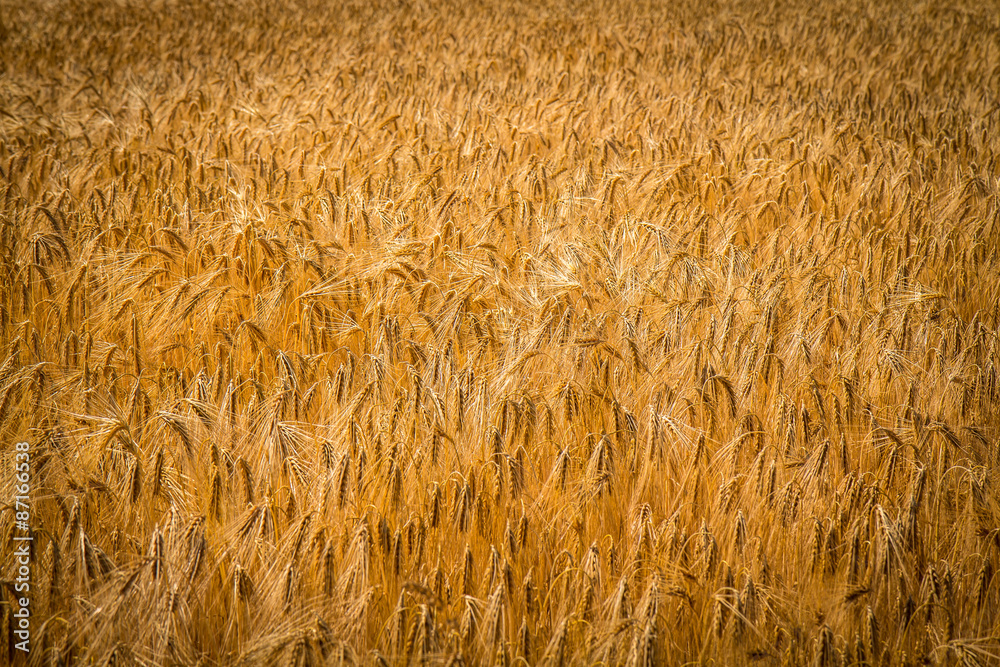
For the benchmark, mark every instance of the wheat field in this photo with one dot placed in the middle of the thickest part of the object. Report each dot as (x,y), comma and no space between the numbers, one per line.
(502,333)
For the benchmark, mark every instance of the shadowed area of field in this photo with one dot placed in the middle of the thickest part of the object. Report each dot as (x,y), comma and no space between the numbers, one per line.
(427,333)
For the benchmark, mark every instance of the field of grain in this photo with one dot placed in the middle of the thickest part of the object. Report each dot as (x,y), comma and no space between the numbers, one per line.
(502,333)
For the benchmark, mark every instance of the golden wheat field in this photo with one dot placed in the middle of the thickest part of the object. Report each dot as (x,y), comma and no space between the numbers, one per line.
(502,333)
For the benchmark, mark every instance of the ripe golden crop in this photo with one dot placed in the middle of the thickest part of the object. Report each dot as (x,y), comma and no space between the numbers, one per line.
(516,333)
